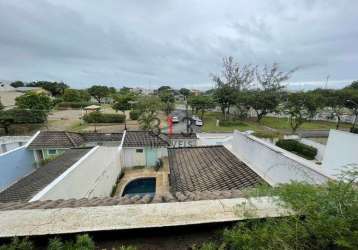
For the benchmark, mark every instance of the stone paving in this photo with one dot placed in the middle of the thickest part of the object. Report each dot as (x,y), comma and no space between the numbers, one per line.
(162,179)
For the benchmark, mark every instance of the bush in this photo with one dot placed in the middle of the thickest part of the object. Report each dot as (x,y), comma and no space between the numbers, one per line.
(73,105)
(354,130)
(325,218)
(18,244)
(97,117)
(134,114)
(229,123)
(297,147)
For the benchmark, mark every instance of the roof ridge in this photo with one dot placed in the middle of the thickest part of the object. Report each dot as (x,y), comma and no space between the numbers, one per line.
(70,138)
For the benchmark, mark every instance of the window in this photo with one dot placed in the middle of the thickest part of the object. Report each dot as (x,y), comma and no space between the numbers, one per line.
(52,151)
(139,150)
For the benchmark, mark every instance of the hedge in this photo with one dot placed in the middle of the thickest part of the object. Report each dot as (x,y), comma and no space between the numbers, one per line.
(297,147)
(134,114)
(23,116)
(97,117)
(74,105)
(354,130)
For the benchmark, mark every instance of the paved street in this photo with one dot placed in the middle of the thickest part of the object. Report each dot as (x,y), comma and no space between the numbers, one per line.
(181,126)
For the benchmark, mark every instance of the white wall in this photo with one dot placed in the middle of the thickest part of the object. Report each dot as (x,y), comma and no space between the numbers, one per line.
(14,165)
(131,158)
(341,150)
(214,138)
(272,163)
(92,176)
(8,143)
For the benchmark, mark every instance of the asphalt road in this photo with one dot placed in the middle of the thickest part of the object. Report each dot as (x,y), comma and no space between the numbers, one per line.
(181,126)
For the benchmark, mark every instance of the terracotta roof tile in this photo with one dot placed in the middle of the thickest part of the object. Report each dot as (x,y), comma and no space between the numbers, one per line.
(27,187)
(208,168)
(143,139)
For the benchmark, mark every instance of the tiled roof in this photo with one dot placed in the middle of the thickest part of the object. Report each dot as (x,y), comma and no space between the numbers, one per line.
(110,201)
(27,187)
(94,137)
(208,168)
(63,139)
(181,136)
(143,139)
(56,139)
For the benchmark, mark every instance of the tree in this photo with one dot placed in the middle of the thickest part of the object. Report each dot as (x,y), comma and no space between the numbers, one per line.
(6,120)
(1,105)
(149,122)
(268,94)
(263,101)
(55,88)
(233,79)
(75,95)
(34,101)
(149,103)
(201,103)
(164,88)
(167,97)
(354,85)
(314,102)
(123,103)
(17,84)
(99,92)
(185,92)
(296,108)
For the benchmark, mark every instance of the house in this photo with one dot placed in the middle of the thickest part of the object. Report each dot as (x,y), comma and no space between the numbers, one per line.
(143,148)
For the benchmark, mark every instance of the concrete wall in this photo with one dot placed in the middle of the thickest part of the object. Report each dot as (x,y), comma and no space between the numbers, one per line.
(8,143)
(94,175)
(214,138)
(133,158)
(341,150)
(274,164)
(14,165)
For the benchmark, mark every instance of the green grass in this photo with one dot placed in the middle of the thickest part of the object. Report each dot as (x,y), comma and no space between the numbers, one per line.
(282,125)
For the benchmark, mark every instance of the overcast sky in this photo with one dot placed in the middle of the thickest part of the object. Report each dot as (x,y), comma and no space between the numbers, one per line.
(180,43)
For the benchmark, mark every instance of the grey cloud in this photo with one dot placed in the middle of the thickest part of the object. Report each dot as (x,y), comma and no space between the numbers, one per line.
(176,42)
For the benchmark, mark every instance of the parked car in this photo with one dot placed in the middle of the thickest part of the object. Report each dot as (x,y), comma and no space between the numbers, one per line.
(175,119)
(198,122)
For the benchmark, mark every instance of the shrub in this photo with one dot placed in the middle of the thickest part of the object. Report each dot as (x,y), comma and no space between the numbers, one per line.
(98,117)
(73,105)
(297,147)
(229,123)
(325,218)
(354,130)
(18,244)
(134,114)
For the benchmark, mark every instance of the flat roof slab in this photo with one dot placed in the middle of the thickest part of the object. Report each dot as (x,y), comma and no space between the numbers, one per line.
(87,219)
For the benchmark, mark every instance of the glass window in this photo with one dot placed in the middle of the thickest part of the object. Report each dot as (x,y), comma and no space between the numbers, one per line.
(139,150)
(52,151)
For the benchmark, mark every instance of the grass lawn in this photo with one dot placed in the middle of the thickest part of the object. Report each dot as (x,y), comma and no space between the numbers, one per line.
(280,124)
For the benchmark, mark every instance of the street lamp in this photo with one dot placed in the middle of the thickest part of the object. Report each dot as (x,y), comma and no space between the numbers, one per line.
(355,112)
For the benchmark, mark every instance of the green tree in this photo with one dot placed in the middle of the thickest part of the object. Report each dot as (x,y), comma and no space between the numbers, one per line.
(17,84)
(263,101)
(314,102)
(99,92)
(34,101)
(185,92)
(201,103)
(6,120)
(233,79)
(75,95)
(1,105)
(296,108)
(164,88)
(149,103)
(55,88)
(268,95)
(167,97)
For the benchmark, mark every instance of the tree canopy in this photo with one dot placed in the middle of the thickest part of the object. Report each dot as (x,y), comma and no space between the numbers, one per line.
(99,92)
(201,103)
(55,88)
(76,95)
(17,84)
(34,101)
